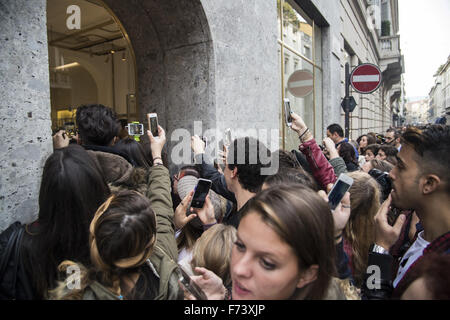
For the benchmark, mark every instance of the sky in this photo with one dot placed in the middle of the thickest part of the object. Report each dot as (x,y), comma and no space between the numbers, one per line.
(424,28)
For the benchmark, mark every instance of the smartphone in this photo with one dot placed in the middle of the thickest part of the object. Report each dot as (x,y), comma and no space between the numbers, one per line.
(343,183)
(227,138)
(287,112)
(200,193)
(191,286)
(135,129)
(153,123)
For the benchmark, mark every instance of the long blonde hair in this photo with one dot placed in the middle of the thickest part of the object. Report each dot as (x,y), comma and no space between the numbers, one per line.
(213,251)
(365,198)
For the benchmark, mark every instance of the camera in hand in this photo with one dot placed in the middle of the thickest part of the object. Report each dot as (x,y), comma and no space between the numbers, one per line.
(135,129)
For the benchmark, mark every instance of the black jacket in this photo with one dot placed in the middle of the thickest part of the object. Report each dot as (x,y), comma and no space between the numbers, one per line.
(15,283)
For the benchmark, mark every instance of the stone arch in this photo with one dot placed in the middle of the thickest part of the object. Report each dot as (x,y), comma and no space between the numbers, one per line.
(173,49)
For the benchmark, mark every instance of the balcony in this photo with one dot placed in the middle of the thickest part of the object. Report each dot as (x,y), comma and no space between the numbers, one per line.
(390,47)
(391,60)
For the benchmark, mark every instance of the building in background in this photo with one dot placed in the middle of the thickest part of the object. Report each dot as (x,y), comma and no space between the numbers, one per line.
(439,95)
(417,111)
(224,63)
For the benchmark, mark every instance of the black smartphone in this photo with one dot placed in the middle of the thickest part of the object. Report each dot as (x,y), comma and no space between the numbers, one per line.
(200,193)
(153,123)
(191,286)
(287,112)
(343,183)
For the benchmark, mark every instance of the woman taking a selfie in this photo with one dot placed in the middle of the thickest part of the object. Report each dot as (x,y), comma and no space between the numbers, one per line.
(285,249)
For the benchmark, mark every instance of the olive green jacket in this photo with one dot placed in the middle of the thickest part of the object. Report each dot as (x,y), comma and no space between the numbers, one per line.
(165,255)
(155,184)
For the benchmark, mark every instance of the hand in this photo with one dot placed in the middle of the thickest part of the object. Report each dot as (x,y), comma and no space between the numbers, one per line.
(180,219)
(60,140)
(385,234)
(223,154)
(206,214)
(157,143)
(197,145)
(331,147)
(298,125)
(210,283)
(341,214)
(329,144)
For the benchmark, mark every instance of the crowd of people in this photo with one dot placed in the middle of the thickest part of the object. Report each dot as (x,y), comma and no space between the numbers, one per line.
(111,214)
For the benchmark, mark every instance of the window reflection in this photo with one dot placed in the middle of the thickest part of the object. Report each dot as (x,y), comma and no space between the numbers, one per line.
(301,46)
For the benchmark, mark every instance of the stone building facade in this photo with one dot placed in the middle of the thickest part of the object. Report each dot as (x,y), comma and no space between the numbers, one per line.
(199,64)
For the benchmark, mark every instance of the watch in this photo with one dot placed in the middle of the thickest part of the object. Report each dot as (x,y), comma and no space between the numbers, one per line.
(378,249)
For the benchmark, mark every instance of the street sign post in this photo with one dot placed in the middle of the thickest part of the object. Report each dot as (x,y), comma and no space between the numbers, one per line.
(365,78)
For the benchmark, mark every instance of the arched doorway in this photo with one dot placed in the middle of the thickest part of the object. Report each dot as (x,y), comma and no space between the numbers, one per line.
(92,62)
(175,61)
(170,44)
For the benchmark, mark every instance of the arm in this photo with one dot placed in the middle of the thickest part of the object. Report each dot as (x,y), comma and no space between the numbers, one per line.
(207,170)
(160,197)
(378,283)
(322,170)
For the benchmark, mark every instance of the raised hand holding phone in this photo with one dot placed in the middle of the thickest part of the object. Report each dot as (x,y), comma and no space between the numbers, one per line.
(201,191)
(157,142)
(153,123)
(180,219)
(206,213)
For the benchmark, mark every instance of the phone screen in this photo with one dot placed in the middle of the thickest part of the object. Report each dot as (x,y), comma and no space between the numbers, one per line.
(191,286)
(201,191)
(227,141)
(154,125)
(135,129)
(337,193)
(287,112)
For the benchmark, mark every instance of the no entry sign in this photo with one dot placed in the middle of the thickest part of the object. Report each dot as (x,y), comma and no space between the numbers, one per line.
(365,78)
(300,83)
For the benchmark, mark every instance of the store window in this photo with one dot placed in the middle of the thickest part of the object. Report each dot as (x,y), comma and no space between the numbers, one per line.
(300,54)
(90,60)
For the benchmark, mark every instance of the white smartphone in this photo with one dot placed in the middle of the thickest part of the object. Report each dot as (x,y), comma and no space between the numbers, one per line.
(227,138)
(342,185)
(153,123)
(287,112)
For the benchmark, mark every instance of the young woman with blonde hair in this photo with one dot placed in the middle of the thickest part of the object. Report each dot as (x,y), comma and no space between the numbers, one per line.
(359,232)
(285,249)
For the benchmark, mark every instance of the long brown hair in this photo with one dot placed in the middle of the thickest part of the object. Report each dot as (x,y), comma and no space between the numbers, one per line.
(360,230)
(122,237)
(303,220)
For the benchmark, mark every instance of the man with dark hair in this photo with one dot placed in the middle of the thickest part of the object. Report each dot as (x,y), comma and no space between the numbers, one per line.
(421,181)
(335,133)
(243,175)
(97,125)
(392,137)
(98,130)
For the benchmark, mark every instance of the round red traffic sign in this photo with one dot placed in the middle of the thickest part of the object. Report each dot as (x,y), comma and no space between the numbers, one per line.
(300,83)
(365,78)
